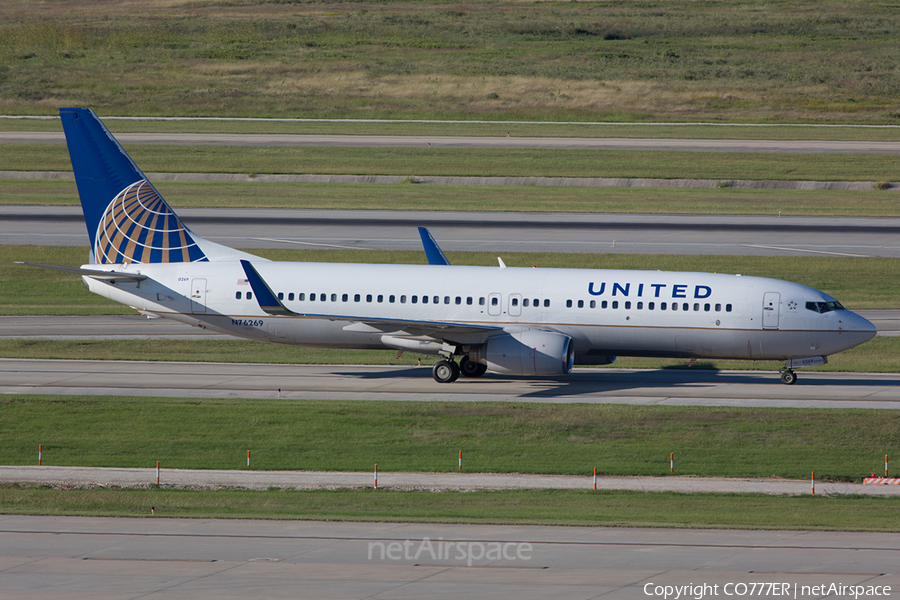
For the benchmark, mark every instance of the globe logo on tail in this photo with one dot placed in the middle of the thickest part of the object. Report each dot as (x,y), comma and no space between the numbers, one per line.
(139,227)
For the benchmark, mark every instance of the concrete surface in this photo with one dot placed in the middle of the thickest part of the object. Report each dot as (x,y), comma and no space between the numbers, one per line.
(158,558)
(667,387)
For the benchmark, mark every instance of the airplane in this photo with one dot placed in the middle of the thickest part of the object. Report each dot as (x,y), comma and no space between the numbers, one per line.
(503,320)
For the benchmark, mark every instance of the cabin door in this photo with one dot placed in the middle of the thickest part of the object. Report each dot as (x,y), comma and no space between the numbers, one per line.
(198,296)
(771,304)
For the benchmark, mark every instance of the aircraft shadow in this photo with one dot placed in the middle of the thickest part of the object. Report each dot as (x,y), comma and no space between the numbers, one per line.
(600,381)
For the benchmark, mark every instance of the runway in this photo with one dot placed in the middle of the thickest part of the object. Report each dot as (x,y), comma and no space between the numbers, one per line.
(382,382)
(559,143)
(53,557)
(495,232)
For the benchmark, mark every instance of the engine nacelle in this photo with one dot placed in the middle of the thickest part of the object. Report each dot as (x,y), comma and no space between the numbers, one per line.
(528,352)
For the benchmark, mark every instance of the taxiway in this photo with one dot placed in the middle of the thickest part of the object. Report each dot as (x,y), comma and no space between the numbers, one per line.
(52,557)
(494,232)
(383,382)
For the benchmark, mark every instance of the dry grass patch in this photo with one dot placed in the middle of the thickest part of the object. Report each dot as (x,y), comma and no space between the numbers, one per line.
(484,93)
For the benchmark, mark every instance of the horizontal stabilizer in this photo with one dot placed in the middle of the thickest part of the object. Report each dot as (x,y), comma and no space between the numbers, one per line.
(96,274)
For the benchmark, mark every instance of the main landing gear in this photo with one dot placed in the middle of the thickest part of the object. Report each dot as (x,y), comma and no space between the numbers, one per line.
(470,368)
(447,371)
(788,377)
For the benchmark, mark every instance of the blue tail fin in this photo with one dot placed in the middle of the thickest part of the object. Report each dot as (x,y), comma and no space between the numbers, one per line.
(127,220)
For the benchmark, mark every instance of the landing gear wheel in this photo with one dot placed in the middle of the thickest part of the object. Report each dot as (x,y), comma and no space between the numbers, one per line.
(445,371)
(788,377)
(470,368)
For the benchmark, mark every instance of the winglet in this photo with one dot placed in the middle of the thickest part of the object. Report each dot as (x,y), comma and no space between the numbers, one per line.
(267,299)
(432,250)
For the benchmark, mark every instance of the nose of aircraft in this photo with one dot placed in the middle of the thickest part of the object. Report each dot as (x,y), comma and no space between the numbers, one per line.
(859,328)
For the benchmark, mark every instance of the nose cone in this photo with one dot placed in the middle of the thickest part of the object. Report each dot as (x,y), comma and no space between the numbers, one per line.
(857,329)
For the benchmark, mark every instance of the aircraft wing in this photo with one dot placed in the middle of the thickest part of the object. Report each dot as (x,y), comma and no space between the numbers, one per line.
(269,302)
(95,273)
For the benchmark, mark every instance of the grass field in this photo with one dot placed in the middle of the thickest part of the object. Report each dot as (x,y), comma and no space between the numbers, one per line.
(528,507)
(529,198)
(475,162)
(495,437)
(574,129)
(745,61)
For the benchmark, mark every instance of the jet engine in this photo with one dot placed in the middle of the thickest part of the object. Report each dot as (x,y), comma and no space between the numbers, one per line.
(527,352)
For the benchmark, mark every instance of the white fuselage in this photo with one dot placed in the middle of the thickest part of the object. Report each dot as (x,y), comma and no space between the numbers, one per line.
(606,313)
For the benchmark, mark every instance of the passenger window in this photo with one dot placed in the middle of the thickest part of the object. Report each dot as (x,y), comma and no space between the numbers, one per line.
(547,303)
(281,295)
(514,301)
(436,300)
(334,297)
(718,308)
(446,299)
(685,306)
(237,295)
(301,297)
(403,299)
(568,304)
(604,304)
(322,297)
(249,295)
(696,306)
(727,308)
(706,307)
(581,304)
(424,299)
(628,304)
(650,305)
(640,305)
(674,305)
(415,299)
(345,297)
(391,298)
(368,297)
(356,297)
(469,300)
(291,296)
(481,301)
(459,299)
(496,301)
(615,304)
(593,304)
(380,298)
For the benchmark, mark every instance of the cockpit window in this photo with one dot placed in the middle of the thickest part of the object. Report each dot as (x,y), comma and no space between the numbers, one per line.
(823,307)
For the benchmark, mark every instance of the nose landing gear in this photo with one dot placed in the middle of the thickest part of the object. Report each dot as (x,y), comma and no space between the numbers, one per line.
(788,377)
